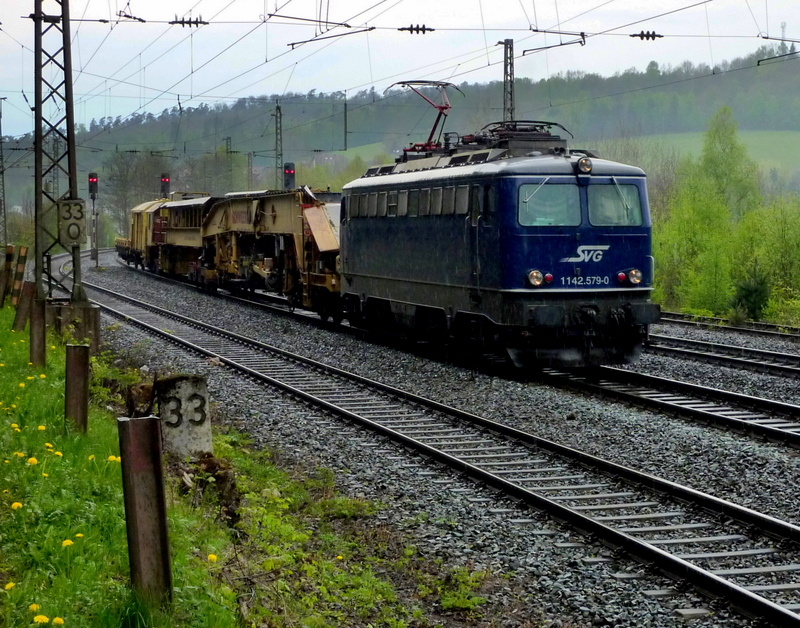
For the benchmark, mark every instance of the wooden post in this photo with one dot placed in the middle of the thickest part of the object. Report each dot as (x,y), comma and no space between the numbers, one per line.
(145,507)
(24,306)
(19,274)
(5,277)
(76,397)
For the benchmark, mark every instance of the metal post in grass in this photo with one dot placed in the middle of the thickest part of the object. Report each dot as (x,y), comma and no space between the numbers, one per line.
(19,274)
(5,276)
(76,396)
(145,507)
(24,306)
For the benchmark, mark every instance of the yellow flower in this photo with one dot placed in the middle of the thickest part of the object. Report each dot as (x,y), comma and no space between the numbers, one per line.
(16,429)
(52,346)
(41,619)
(66,543)
(16,506)
(10,585)
(19,454)
(2,364)
(14,425)
(119,458)
(59,454)
(58,620)
(43,376)
(79,536)
(34,607)
(30,376)
(32,461)
(212,558)
(41,428)
(112,458)
(50,445)
(91,457)
(340,557)
(22,385)
(46,475)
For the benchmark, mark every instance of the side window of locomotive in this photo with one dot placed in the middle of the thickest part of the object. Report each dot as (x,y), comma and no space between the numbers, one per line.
(391,204)
(549,205)
(475,205)
(343,209)
(425,202)
(402,203)
(381,203)
(614,205)
(436,202)
(372,204)
(362,205)
(462,199)
(413,202)
(449,201)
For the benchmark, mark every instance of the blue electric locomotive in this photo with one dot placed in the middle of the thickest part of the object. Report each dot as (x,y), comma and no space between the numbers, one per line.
(506,238)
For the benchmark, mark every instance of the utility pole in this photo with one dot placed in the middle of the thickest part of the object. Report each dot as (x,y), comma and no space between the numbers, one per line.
(229,154)
(278,148)
(60,219)
(4,222)
(508,79)
(250,171)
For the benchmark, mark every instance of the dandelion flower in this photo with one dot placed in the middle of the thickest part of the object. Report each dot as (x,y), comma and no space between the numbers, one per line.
(43,376)
(30,377)
(52,346)
(79,536)
(32,461)
(119,458)
(16,429)
(212,558)
(112,458)
(340,557)
(10,585)
(49,445)
(41,619)
(41,428)
(14,425)
(22,384)
(19,454)
(58,621)
(16,506)
(34,607)
(91,457)
(46,475)
(59,454)
(2,364)
(66,542)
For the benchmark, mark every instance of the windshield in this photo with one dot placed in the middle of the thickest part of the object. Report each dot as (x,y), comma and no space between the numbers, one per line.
(614,205)
(549,204)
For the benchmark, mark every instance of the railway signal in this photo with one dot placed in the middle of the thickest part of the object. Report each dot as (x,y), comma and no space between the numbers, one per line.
(165,185)
(93,185)
(288,176)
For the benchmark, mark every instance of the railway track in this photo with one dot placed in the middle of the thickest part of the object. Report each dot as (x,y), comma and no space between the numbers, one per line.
(724,550)
(774,363)
(783,332)
(772,420)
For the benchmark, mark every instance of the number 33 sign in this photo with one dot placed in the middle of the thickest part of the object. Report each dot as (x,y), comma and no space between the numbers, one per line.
(183,408)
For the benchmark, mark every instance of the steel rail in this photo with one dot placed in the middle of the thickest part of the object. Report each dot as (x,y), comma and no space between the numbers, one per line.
(772,362)
(672,565)
(786,332)
(710,405)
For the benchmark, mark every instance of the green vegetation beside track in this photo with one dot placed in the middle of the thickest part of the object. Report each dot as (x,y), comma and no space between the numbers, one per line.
(252,544)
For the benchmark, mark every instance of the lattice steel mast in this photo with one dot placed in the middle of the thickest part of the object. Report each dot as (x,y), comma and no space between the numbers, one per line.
(508,79)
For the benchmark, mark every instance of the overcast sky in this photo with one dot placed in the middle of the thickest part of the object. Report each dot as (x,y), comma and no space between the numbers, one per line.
(126,66)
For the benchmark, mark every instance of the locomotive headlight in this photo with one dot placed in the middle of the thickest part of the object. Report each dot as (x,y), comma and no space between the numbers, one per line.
(536,278)
(635,276)
(584,165)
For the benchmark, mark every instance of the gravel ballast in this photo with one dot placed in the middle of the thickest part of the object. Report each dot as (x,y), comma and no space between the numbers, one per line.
(544,581)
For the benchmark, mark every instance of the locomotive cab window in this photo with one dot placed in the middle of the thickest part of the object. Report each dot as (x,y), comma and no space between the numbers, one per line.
(549,205)
(614,205)
(391,204)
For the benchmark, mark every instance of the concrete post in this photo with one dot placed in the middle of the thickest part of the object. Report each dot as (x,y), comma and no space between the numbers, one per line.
(185,415)
(145,507)
(76,397)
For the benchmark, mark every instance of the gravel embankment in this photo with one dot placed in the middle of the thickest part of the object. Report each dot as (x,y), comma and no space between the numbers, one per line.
(447,523)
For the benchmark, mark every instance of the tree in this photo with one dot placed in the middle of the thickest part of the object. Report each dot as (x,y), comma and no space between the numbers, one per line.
(725,161)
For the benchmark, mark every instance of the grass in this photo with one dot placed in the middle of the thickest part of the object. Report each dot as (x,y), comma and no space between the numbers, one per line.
(251,544)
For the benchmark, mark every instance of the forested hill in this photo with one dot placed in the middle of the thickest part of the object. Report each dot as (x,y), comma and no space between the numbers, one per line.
(654,101)
(207,146)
